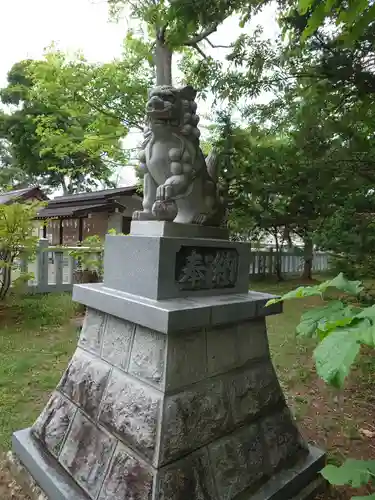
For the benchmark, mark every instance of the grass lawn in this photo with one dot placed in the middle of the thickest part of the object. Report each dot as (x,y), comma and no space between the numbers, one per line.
(37,338)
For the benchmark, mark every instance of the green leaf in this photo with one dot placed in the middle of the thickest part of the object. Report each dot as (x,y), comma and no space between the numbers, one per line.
(368,312)
(367,497)
(335,355)
(366,334)
(304,5)
(298,293)
(343,284)
(315,21)
(356,473)
(324,319)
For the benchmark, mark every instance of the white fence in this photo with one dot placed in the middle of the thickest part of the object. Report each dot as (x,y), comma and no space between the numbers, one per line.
(264,263)
(54,268)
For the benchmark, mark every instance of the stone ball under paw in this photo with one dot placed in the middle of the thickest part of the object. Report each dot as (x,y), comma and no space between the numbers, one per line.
(164,210)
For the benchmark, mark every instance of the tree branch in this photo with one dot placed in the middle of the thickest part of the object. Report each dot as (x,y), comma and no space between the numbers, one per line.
(218,46)
(202,36)
(198,49)
(105,112)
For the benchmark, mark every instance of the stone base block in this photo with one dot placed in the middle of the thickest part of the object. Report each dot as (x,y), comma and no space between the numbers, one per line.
(192,480)
(161,268)
(169,316)
(144,415)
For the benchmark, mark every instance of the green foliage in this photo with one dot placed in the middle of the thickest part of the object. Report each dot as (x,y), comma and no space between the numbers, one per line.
(90,255)
(68,116)
(356,473)
(341,327)
(17,240)
(352,17)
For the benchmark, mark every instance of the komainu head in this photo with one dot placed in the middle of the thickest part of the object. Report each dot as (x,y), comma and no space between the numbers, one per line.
(171,107)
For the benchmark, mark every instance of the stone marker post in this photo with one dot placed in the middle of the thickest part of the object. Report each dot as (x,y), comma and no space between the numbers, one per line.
(171,393)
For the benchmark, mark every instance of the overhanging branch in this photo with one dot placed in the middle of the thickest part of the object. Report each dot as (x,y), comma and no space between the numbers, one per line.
(202,36)
(198,49)
(218,46)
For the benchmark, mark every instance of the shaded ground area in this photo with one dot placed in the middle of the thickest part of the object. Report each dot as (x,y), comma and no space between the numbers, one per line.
(37,338)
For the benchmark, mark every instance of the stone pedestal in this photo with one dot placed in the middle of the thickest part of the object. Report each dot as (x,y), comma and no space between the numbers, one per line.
(171,393)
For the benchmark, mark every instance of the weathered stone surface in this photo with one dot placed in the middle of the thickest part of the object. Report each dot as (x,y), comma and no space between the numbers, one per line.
(117,339)
(148,355)
(86,454)
(92,330)
(130,410)
(252,389)
(84,381)
(237,461)
(188,479)
(222,350)
(193,418)
(127,478)
(186,359)
(51,426)
(283,441)
(252,340)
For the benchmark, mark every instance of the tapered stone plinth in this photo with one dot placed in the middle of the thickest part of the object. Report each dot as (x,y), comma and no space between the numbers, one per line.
(171,393)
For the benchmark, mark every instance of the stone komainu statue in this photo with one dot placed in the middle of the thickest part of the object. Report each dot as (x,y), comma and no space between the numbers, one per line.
(179,184)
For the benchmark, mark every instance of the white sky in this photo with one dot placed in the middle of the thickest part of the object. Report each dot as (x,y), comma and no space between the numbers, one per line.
(28,27)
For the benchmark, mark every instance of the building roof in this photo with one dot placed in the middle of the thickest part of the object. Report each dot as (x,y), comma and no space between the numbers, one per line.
(81,204)
(105,193)
(22,194)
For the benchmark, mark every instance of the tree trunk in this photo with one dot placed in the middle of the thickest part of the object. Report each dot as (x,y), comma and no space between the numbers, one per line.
(163,63)
(64,186)
(308,258)
(277,257)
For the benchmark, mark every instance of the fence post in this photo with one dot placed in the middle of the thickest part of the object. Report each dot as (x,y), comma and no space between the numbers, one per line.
(270,263)
(59,267)
(42,264)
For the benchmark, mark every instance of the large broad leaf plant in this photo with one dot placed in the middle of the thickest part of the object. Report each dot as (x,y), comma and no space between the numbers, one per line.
(341,326)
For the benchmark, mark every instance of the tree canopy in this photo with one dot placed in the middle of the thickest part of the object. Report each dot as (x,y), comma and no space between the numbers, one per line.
(66,118)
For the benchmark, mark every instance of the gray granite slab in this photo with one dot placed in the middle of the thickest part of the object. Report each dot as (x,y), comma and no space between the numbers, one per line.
(173,230)
(46,471)
(86,454)
(52,425)
(187,479)
(162,268)
(174,314)
(117,340)
(147,360)
(128,478)
(92,331)
(84,381)
(186,359)
(194,417)
(130,410)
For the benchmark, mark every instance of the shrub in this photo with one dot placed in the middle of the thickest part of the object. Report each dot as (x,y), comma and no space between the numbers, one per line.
(16,241)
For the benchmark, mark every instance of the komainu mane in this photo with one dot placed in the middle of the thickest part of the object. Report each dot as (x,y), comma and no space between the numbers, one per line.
(179,184)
